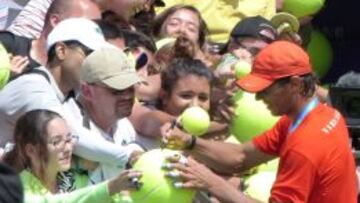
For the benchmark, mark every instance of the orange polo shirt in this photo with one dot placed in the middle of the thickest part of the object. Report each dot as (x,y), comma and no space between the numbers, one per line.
(316,163)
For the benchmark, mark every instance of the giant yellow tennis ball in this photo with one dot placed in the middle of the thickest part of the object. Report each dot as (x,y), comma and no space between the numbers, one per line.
(156,187)
(4,66)
(242,68)
(195,120)
(258,186)
(320,52)
(252,117)
(270,166)
(302,8)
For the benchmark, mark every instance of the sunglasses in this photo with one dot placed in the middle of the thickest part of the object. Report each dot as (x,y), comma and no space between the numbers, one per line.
(141,60)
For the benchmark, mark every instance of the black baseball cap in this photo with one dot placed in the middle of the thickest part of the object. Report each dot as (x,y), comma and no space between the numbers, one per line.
(159,3)
(251,27)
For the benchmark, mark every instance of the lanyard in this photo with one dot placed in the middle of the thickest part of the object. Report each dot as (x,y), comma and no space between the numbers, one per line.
(304,112)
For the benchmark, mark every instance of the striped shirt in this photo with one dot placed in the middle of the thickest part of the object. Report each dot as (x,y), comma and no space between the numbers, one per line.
(30,21)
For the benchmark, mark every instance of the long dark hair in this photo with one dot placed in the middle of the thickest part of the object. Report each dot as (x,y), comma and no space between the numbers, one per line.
(181,48)
(182,67)
(161,18)
(31,128)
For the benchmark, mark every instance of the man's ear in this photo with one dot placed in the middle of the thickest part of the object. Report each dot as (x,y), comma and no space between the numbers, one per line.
(86,91)
(297,83)
(60,50)
(54,20)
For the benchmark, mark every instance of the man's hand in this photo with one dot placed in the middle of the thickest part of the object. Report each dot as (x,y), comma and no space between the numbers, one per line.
(134,156)
(223,106)
(192,174)
(18,64)
(124,181)
(174,137)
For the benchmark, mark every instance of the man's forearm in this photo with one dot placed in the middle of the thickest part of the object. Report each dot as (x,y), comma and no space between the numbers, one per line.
(226,193)
(223,157)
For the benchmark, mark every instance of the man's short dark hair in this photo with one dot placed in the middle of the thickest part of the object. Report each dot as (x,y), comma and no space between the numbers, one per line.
(109,29)
(135,39)
(72,44)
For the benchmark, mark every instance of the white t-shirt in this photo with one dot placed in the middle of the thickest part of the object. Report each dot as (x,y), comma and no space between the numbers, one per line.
(98,140)
(124,135)
(28,92)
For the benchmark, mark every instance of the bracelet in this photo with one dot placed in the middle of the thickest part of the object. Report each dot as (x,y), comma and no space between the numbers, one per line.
(192,143)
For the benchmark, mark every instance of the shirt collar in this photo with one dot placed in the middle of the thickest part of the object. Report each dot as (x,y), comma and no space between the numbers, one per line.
(59,94)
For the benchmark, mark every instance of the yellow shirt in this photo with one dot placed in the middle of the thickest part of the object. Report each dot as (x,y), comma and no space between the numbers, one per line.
(222,15)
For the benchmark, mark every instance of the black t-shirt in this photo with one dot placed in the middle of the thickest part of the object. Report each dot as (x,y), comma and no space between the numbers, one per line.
(17,45)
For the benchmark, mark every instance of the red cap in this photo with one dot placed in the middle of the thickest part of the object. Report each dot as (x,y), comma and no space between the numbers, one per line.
(278,60)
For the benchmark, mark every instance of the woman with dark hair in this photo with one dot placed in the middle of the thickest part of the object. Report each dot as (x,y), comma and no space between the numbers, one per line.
(183,20)
(42,155)
(185,82)
(168,52)
(181,16)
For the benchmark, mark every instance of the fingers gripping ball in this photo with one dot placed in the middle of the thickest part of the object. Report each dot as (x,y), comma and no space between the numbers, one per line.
(252,117)
(195,120)
(302,8)
(156,187)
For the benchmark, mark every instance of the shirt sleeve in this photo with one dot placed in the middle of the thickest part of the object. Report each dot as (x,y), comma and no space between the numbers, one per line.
(96,193)
(37,94)
(91,145)
(100,150)
(28,93)
(295,179)
(30,21)
(270,142)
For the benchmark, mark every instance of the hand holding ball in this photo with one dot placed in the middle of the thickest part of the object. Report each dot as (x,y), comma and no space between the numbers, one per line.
(242,68)
(156,187)
(195,120)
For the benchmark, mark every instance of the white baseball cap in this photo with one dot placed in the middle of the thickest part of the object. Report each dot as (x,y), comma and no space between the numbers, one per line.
(82,30)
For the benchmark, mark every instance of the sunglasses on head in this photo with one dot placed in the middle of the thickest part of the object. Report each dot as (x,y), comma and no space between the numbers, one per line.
(141,60)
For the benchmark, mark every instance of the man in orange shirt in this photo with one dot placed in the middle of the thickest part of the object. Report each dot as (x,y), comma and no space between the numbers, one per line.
(311,139)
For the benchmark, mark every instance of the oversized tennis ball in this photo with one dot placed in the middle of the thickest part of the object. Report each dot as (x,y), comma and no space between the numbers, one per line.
(156,187)
(242,68)
(232,139)
(195,120)
(252,117)
(270,166)
(320,52)
(258,186)
(4,66)
(302,8)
